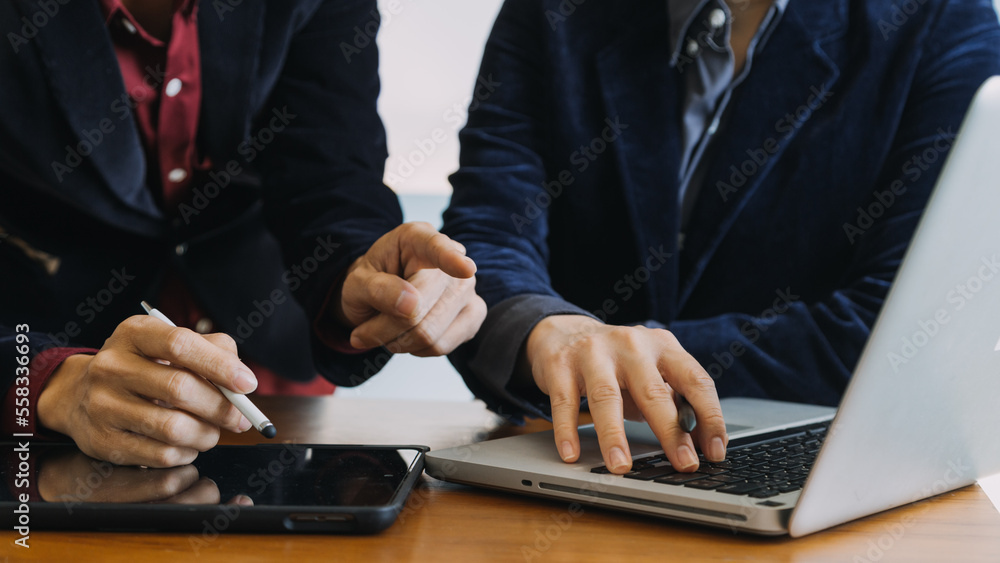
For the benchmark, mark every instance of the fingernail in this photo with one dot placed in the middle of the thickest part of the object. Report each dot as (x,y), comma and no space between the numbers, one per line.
(402,308)
(245,381)
(687,458)
(566,451)
(717,450)
(618,459)
(244,424)
(356,342)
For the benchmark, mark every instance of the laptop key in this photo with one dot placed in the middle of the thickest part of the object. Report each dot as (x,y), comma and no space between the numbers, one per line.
(679,478)
(650,473)
(764,493)
(740,488)
(600,470)
(704,484)
(726,478)
(709,470)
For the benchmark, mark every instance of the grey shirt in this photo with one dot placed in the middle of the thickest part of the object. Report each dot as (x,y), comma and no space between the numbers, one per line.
(699,34)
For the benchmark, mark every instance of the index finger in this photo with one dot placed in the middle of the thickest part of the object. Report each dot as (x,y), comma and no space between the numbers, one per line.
(688,378)
(436,250)
(183,347)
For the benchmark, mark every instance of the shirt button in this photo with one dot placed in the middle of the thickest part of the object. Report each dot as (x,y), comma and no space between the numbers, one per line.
(129,27)
(717,18)
(203,326)
(692,48)
(173,87)
(177,175)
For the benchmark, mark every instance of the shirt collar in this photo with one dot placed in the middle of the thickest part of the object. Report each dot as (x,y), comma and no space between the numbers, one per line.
(682,14)
(112,8)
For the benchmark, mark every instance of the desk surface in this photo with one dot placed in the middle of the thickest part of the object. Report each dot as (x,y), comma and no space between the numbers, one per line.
(446,522)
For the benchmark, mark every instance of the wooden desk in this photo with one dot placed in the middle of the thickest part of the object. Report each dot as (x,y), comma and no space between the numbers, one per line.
(445,522)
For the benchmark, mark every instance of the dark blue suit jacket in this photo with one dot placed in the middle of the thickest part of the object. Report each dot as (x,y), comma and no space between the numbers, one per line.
(569,176)
(263,249)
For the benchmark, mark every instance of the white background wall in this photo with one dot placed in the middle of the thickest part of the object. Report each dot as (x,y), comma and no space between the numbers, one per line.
(430,54)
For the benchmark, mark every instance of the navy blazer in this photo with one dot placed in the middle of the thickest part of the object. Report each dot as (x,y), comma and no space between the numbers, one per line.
(568,185)
(289,121)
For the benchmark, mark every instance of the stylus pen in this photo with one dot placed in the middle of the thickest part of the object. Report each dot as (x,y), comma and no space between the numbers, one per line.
(685,415)
(242,402)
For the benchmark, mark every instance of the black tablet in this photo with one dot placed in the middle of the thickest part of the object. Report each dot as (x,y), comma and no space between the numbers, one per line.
(264,488)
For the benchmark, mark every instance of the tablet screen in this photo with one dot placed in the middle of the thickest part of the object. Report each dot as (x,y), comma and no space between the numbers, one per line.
(265,475)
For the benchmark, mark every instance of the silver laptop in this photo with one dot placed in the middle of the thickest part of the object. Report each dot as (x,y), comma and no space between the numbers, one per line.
(921,415)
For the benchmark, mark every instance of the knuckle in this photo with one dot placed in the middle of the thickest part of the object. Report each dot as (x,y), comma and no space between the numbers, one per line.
(564,356)
(712,418)
(564,428)
(133,323)
(170,456)
(479,308)
(173,428)
(666,337)
(103,363)
(424,335)
(209,439)
(222,340)
(671,429)
(585,342)
(377,290)
(96,403)
(179,342)
(165,457)
(655,394)
(420,226)
(605,393)
(699,380)
(628,336)
(231,415)
(179,386)
(170,483)
(563,400)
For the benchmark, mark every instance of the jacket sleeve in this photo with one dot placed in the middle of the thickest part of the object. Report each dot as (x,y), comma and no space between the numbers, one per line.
(806,352)
(501,163)
(324,198)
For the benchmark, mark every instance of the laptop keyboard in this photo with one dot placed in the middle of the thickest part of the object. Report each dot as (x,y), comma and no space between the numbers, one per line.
(759,466)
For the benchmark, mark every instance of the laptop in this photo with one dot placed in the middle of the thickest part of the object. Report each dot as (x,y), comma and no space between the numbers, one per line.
(920,416)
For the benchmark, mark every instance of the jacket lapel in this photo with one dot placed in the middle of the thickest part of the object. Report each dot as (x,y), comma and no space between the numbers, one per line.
(794,72)
(643,91)
(86,83)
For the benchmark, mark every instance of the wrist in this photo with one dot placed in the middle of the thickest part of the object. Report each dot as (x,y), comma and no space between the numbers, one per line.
(53,402)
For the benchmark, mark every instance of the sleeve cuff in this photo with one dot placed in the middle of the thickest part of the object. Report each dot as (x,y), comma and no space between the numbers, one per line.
(328,331)
(40,369)
(500,341)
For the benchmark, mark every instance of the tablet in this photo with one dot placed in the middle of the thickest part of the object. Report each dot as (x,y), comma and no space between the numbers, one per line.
(264,488)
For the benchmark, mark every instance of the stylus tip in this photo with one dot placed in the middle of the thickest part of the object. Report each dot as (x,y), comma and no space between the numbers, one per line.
(269,431)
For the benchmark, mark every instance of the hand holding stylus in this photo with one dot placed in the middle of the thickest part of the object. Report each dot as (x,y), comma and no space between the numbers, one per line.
(122,404)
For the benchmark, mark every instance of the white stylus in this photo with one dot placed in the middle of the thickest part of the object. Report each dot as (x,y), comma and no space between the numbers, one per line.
(249,410)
